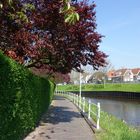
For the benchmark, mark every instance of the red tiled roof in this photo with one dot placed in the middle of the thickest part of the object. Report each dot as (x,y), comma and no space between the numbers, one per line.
(110,73)
(135,71)
(120,72)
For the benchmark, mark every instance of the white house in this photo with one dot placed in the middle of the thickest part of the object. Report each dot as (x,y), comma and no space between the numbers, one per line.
(75,77)
(136,73)
(124,75)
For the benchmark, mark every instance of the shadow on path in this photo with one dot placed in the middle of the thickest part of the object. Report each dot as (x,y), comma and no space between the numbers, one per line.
(57,114)
(62,122)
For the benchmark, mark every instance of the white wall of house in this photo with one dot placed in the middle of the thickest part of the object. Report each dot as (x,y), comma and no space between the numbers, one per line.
(128,76)
(138,76)
(87,78)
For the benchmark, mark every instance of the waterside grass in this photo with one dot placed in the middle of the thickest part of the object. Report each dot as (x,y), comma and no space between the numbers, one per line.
(115,129)
(102,87)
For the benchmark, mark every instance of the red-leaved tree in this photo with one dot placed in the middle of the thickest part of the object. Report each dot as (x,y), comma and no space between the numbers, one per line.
(47,41)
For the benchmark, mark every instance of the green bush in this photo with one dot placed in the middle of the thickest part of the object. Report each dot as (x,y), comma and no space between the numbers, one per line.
(23,99)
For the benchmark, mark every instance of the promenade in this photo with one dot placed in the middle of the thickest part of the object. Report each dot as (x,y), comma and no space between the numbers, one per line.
(62,122)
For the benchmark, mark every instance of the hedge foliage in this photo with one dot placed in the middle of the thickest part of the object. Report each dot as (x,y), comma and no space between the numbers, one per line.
(23,99)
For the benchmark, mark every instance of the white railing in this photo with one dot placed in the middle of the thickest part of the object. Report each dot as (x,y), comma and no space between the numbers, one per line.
(85,106)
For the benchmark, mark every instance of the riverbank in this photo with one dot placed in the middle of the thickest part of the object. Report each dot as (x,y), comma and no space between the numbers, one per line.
(112,128)
(113,91)
(115,129)
(102,87)
(111,95)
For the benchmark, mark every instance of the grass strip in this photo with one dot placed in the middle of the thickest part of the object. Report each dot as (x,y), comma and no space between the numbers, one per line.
(101,87)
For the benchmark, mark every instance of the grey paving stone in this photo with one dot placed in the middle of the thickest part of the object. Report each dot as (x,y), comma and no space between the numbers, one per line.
(62,122)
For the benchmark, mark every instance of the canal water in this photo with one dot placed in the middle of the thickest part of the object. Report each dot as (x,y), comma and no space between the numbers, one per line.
(126,110)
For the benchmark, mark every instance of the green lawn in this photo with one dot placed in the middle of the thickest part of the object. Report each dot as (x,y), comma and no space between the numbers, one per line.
(101,87)
(115,129)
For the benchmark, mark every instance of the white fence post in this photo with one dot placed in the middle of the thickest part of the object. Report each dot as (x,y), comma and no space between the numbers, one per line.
(77,99)
(70,96)
(80,102)
(98,115)
(83,104)
(73,97)
(89,108)
(56,89)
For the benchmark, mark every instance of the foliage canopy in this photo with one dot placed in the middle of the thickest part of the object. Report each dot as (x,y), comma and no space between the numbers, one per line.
(41,32)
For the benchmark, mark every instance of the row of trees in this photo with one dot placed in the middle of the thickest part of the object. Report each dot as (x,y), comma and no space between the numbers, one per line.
(50,34)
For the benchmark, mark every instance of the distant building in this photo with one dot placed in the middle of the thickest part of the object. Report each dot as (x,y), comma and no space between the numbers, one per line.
(96,77)
(115,76)
(110,74)
(136,74)
(124,75)
(75,77)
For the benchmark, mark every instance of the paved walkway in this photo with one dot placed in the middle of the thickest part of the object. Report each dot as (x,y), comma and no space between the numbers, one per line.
(62,122)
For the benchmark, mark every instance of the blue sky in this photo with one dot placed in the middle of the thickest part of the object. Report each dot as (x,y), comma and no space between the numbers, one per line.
(119,21)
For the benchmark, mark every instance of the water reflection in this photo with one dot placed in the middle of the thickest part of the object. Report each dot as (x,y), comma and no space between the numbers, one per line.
(125,110)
